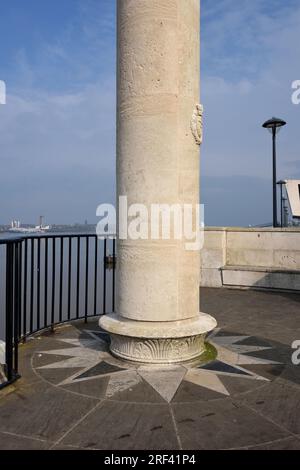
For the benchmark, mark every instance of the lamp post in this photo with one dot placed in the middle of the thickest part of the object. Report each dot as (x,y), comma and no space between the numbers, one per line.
(274,125)
(281,183)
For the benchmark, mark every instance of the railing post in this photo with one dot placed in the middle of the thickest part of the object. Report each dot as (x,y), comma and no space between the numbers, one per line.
(17,304)
(86,279)
(104,275)
(114,275)
(9,307)
(25,291)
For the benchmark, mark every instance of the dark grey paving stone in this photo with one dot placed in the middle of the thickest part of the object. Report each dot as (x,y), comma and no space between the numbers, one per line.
(188,392)
(240,385)
(104,336)
(27,373)
(102,368)
(222,425)
(278,353)
(95,388)
(269,371)
(283,334)
(140,393)
(278,402)
(65,447)
(12,442)
(43,412)
(265,329)
(55,340)
(50,343)
(225,332)
(291,443)
(125,426)
(291,374)
(92,324)
(56,376)
(255,341)
(219,366)
(44,359)
(275,313)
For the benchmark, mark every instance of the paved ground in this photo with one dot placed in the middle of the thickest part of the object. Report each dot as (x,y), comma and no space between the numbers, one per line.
(73,394)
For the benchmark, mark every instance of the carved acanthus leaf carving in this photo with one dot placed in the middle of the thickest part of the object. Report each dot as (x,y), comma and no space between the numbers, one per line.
(156,351)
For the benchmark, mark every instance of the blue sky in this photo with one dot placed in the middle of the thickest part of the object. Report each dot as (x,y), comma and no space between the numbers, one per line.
(57,130)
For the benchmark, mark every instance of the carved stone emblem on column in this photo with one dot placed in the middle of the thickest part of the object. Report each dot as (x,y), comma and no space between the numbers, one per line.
(197,124)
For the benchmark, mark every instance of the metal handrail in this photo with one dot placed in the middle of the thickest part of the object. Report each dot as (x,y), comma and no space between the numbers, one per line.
(52,279)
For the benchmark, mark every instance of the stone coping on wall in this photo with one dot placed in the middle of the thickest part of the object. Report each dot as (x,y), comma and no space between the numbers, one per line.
(253,229)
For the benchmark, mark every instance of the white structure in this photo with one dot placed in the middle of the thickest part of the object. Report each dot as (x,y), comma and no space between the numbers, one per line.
(2,352)
(293,194)
(159,130)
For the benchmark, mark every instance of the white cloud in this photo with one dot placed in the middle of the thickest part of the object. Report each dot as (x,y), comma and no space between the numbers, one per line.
(237,101)
(57,130)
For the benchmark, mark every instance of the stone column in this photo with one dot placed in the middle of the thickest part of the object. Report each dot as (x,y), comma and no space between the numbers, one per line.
(158,136)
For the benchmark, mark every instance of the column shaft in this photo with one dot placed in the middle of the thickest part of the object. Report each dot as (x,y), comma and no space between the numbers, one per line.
(158,163)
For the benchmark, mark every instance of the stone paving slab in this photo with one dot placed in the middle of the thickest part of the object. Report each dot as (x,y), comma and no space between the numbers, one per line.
(290,443)
(121,426)
(10,441)
(74,395)
(279,403)
(222,424)
(41,411)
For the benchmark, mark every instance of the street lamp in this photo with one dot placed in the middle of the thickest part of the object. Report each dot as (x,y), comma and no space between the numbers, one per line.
(274,125)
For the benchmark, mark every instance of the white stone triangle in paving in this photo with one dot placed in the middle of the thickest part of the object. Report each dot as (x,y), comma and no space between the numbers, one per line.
(165,380)
(207,380)
(69,363)
(249,374)
(248,360)
(88,353)
(226,355)
(96,335)
(122,381)
(243,349)
(229,340)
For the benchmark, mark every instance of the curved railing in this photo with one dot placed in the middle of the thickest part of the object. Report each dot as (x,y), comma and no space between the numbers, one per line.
(50,279)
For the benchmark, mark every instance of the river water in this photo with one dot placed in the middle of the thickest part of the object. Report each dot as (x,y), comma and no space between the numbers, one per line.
(64,283)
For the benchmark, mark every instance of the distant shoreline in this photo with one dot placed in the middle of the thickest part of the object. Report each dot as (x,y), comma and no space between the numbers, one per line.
(55,229)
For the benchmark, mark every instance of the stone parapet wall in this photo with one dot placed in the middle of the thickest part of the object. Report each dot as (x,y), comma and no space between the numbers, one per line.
(251,257)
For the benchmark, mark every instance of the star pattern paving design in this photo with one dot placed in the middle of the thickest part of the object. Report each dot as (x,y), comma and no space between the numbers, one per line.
(91,358)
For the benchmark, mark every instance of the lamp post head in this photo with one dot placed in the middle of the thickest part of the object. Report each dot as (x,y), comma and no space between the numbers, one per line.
(274,124)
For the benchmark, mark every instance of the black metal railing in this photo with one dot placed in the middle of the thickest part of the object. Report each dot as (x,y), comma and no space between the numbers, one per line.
(49,280)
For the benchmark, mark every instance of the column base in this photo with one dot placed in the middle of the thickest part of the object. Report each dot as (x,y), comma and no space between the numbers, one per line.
(157,342)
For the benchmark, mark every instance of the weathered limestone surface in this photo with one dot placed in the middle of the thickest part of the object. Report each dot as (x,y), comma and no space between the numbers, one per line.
(158,161)
(158,136)
(251,257)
